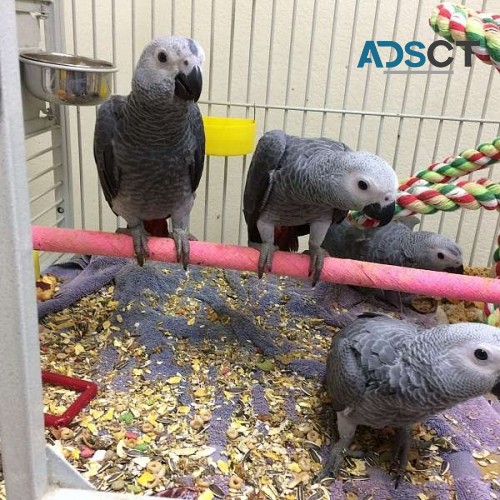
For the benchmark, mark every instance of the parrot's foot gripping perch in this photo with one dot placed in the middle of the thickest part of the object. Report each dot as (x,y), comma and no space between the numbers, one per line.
(181,240)
(317,256)
(266,256)
(140,241)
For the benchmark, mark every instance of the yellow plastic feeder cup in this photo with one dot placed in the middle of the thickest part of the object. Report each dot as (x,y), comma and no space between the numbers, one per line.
(226,136)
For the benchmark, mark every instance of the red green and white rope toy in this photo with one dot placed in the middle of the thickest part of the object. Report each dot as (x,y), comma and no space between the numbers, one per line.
(459,23)
(436,188)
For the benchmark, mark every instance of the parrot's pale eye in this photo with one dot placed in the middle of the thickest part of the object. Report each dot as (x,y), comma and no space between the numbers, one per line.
(440,255)
(481,354)
(362,185)
(162,56)
(186,63)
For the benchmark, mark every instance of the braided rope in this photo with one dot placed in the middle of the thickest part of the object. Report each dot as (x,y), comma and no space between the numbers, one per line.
(448,197)
(452,167)
(458,23)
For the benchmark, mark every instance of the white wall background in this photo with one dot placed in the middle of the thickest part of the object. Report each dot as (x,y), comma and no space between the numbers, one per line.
(298,57)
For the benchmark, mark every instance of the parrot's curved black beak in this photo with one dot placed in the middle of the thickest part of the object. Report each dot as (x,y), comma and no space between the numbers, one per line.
(188,87)
(383,214)
(496,390)
(455,270)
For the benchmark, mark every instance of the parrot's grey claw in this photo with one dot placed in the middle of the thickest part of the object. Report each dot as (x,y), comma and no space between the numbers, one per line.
(181,240)
(331,468)
(140,241)
(317,256)
(401,454)
(266,258)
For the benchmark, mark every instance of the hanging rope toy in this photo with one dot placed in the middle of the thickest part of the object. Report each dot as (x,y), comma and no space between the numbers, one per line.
(430,198)
(460,23)
(452,167)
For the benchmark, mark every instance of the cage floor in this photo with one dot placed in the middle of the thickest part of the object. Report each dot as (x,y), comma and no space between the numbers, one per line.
(210,387)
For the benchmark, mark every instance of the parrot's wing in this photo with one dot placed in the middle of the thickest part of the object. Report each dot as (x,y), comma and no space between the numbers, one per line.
(344,240)
(345,379)
(108,118)
(365,358)
(196,124)
(410,221)
(265,161)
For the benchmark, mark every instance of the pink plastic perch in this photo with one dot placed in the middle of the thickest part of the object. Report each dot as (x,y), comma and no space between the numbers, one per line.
(343,271)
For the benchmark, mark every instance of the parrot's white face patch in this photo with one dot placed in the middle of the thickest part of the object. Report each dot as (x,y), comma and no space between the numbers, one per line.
(482,357)
(442,257)
(164,58)
(368,190)
(370,180)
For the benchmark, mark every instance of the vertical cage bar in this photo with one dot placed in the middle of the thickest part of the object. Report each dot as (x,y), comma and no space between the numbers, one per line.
(490,172)
(24,464)
(229,95)
(113,48)
(241,221)
(94,50)
(270,61)
(349,68)
(458,137)
(312,41)
(172,19)
(329,69)
(193,17)
(290,63)
(153,16)
(388,75)
(478,139)
(61,156)
(209,108)
(113,40)
(133,6)
(367,84)
(83,218)
(441,122)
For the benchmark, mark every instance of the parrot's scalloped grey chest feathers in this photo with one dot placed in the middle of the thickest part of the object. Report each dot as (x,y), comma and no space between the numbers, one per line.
(307,184)
(386,372)
(149,147)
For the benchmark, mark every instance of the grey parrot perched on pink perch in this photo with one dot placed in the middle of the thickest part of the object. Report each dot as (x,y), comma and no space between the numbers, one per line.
(298,186)
(149,146)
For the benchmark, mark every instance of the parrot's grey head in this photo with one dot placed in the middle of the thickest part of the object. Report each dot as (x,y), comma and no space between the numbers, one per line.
(370,185)
(439,253)
(472,352)
(170,66)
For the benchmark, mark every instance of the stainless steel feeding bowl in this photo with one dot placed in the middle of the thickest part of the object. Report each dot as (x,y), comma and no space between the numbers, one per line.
(67,79)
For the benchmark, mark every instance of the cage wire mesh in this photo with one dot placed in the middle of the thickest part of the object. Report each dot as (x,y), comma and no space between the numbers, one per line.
(292,64)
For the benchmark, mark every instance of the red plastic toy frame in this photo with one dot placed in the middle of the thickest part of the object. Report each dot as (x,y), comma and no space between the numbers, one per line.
(88,391)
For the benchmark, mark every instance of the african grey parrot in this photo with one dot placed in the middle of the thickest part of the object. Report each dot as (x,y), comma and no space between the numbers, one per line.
(386,372)
(297,186)
(397,245)
(149,146)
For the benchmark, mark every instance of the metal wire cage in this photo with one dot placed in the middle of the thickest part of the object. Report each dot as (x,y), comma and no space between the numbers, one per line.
(295,66)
